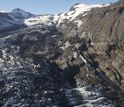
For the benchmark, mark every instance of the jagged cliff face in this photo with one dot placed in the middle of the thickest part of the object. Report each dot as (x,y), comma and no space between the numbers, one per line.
(73,59)
(102,31)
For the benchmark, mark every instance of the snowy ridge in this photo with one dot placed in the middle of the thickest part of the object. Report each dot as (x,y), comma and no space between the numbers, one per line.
(20,17)
(21,13)
(75,11)
(41,19)
(12,18)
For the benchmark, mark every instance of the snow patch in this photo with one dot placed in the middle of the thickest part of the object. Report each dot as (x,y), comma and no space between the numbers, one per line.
(80,97)
(83,59)
(79,23)
(75,54)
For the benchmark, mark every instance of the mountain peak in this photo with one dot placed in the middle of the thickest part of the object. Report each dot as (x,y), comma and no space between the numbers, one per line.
(77,5)
(83,5)
(18,10)
(21,13)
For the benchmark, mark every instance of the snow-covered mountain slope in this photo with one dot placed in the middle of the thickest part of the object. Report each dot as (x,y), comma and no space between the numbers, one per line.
(13,18)
(58,19)
(75,10)
(40,19)
(20,17)
(19,13)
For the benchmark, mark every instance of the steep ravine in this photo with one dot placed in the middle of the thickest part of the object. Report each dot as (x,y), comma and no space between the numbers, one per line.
(74,64)
(32,77)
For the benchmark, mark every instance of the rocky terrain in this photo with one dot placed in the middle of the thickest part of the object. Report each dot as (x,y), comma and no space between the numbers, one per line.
(73,59)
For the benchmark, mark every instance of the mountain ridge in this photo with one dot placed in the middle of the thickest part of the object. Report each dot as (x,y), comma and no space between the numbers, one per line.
(20,17)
